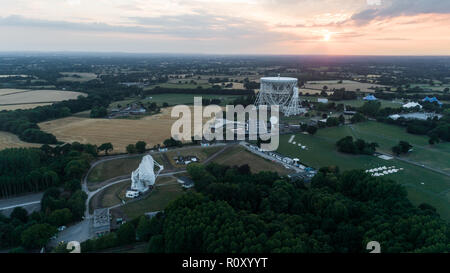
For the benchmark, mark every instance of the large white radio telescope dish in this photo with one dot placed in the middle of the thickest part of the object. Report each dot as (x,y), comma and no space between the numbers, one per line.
(144,176)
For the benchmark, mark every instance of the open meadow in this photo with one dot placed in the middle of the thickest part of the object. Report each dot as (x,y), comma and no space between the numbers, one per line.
(348,85)
(165,191)
(174,99)
(423,185)
(238,155)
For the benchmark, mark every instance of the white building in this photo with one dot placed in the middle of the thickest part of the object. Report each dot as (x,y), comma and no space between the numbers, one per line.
(412,105)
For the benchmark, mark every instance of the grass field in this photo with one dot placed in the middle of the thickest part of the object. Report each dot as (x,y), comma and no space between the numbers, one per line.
(181,85)
(175,99)
(348,85)
(117,167)
(200,152)
(80,76)
(357,102)
(114,194)
(23,96)
(423,185)
(237,156)
(157,200)
(8,140)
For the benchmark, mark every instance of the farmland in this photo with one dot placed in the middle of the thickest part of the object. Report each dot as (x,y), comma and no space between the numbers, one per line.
(8,140)
(120,132)
(12,99)
(423,185)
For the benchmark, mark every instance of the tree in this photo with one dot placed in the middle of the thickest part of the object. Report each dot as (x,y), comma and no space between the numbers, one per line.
(37,235)
(370,108)
(143,229)
(98,112)
(20,214)
(131,149)
(433,140)
(106,147)
(358,117)
(403,147)
(126,234)
(311,130)
(140,146)
(60,217)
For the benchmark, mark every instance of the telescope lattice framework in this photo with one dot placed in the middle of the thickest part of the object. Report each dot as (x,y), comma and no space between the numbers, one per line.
(144,176)
(282,91)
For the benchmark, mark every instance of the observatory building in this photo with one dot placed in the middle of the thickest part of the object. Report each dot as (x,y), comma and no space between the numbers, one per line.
(145,176)
(280,91)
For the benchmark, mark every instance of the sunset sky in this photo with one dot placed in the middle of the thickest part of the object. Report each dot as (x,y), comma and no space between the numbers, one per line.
(338,27)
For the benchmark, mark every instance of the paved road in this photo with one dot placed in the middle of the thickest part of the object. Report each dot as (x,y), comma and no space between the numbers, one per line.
(30,202)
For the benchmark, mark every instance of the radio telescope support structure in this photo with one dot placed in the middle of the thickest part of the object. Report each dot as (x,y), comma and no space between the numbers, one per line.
(144,176)
(280,91)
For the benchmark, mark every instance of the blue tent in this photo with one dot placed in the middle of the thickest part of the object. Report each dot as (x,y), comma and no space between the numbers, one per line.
(433,99)
(370,97)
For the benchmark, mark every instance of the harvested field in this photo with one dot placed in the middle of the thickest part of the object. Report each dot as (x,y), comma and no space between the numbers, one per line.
(4,92)
(120,132)
(37,96)
(8,140)
(22,106)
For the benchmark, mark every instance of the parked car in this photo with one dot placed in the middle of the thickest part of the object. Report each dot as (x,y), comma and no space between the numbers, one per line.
(61,228)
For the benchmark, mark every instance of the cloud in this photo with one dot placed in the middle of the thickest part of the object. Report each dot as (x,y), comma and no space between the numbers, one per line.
(182,26)
(19,21)
(395,8)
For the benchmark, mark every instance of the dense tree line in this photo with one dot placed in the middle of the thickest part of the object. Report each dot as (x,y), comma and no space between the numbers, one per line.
(234,211)
(347,145)
(59,170)
(35,169)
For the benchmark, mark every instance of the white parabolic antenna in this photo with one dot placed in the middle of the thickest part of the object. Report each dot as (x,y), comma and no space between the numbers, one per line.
(145,176)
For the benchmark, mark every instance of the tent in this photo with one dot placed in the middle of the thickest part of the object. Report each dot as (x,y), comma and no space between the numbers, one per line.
(433,99)
(412,105)
(370,98)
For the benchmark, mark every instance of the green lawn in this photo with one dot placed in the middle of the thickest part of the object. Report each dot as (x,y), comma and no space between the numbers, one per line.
(322,152)
(436,156)
(157,200)
(179,85)
(113,168)
(357,102)
(174,99)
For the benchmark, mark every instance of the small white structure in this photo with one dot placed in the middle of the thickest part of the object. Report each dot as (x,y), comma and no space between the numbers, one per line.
(132,194)
(322,100)
(412,105)
(145,176)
